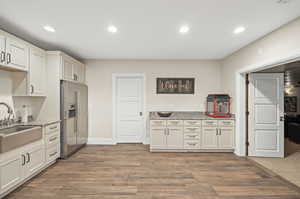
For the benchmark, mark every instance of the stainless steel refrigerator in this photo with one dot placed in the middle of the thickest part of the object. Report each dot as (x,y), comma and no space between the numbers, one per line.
(74,117)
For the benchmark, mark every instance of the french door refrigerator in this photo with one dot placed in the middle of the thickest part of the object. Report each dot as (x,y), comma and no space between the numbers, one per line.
(74,117)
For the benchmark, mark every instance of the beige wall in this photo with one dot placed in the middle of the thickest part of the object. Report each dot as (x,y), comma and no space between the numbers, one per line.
(280,43)
(99,80)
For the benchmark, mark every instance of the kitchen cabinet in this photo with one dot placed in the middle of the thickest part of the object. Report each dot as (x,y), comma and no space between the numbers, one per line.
(226,137)
(166,135)
(20,164)
(67,66)
(11,171)
(17,54)
(14,53)
(37,73)
(158,138)
(35,160)
(72,70)
(209,138)
(218,134)
(174,138)
(192,135)
(32,83)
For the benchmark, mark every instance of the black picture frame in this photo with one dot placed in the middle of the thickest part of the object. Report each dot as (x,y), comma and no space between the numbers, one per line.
(175,85)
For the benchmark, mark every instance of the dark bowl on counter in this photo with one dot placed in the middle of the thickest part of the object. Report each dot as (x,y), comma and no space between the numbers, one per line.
(164,114)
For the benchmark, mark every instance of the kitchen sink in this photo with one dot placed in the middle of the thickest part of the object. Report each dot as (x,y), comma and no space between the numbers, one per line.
(17,136)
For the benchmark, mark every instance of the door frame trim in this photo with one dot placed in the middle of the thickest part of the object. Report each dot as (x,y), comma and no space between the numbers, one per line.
(240,87)
(115,76)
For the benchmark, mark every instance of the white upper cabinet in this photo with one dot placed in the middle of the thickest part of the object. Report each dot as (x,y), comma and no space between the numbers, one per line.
(37,74)
(67,65)
(72,70)
(16,54)
(32,83)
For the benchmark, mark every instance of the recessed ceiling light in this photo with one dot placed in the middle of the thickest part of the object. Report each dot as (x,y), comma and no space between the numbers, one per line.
(112,29)
(49,28)
(239,30)
(184,29)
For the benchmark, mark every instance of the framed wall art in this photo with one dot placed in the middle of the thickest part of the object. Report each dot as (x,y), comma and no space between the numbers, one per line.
(175,85)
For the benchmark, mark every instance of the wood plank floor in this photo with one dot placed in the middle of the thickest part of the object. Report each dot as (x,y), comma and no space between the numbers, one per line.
(129,171)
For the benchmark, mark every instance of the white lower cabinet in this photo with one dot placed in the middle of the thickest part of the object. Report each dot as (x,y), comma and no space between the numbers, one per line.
(192,135)
(158,138)
(165,137)
(209,138)
(20,164)
(35,160)
(11,171)
(174,138)
(226,137)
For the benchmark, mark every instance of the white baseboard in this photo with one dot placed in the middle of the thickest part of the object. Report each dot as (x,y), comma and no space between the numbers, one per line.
(147,141)
(101,141)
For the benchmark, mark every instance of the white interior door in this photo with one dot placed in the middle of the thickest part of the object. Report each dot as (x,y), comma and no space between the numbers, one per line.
(266,105)
(129,109)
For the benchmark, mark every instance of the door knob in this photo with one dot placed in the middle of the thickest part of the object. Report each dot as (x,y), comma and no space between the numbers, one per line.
(281,118)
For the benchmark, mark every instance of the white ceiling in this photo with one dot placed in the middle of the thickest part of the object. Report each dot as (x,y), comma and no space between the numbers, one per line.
(148,29)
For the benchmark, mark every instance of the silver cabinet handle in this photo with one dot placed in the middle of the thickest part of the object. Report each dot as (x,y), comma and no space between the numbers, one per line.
(28,157)
(32,88)
(51,128)
(2,56)
(23,160)
(192,136)
(52,154)
(220,132)
(192,144)
(8,58)
(52,139)
(217,132)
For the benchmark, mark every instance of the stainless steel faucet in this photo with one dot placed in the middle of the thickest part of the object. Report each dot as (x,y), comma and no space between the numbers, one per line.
(10,119)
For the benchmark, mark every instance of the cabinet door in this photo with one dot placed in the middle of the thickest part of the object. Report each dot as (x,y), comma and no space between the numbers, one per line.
(2,49)
(78,72)
(37,72)
(175,138)
(17,55)
(68,70)
(209,138)
(158,138)
(11,172)
(35,160)
(226,138)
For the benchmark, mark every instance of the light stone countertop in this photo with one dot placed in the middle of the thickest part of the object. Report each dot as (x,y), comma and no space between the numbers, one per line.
(187,116)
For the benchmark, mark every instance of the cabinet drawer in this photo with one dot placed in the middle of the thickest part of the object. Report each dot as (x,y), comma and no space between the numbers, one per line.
(158,122)
(210,122)
(191,136)
(192,123)
(52,153)
(174,123)
(226,122)
(191,144)
(52,128)
(192,129)
(52,138)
